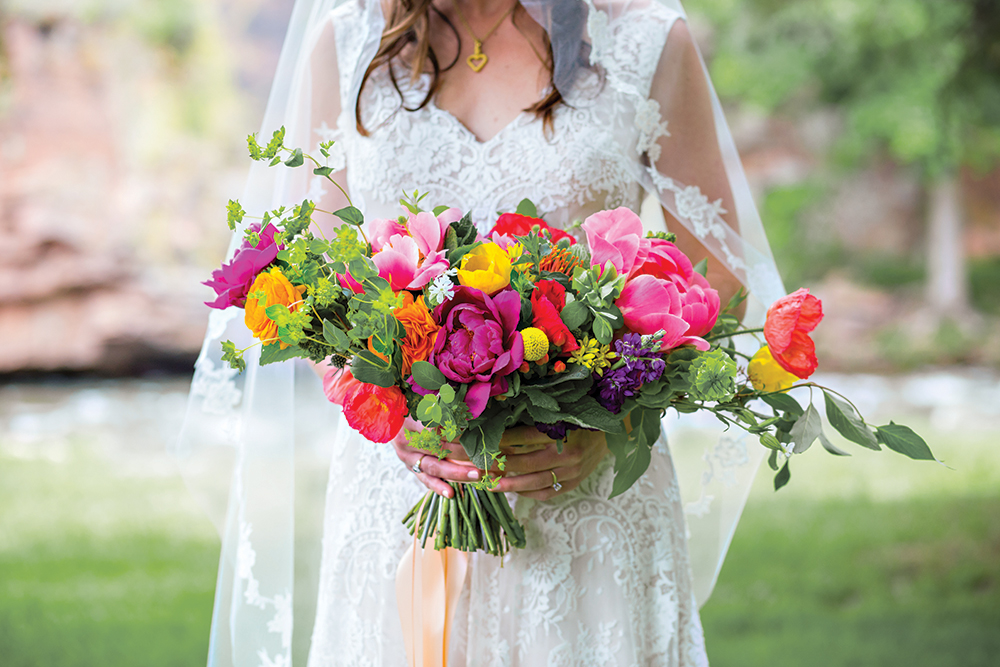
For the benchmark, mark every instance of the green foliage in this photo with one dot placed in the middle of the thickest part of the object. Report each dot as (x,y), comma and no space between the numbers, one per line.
(712,376)
(917,78)
(233,357)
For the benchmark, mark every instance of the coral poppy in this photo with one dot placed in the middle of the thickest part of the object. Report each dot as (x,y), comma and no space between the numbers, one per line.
(375,412)
(789,321)
(512,224)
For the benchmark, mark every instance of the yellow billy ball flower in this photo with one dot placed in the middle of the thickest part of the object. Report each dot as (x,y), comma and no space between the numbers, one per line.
(766,374)
(536,344)
(485,267)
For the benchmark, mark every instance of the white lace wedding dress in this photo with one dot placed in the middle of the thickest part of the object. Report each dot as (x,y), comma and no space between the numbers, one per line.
(601,582)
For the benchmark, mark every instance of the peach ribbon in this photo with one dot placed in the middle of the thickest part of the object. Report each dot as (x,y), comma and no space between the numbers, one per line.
(428,585)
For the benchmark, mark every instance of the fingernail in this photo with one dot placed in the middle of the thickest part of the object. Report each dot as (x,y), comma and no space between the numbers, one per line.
(474,474)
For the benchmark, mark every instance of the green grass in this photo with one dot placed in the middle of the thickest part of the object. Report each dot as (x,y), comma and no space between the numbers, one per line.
(869,561)
(97,569)
(873,560)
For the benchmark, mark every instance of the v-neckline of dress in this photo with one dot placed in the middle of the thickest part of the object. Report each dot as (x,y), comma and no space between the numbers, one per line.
(464,129)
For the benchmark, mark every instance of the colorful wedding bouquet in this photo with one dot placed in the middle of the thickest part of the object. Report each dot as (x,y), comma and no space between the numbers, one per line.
(473,335)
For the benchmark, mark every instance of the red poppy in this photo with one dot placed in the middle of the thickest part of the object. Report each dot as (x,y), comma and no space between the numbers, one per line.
(789,321)
(547,302)
(375,412)
(512,224)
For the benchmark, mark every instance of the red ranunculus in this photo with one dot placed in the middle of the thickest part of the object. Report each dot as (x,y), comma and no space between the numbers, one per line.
(547,301)
(789,321)
(512,224)
(375,412)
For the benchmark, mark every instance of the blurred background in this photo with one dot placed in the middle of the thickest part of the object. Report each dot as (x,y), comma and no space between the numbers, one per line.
(871,135)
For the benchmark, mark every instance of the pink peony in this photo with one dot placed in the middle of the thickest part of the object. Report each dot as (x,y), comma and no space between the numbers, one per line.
(616,236)
(399,262)
(380,230)
(232,282)
(650,304)
(701,304)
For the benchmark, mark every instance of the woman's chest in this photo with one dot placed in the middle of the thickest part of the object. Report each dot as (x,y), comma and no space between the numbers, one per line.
(570,171)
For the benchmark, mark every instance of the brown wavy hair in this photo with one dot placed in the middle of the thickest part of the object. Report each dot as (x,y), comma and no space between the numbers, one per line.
(408,24)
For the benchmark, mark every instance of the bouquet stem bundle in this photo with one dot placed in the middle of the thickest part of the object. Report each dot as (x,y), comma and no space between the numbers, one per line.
(473,519)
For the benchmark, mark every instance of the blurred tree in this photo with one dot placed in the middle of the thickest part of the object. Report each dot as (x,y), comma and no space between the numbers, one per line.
(918,80)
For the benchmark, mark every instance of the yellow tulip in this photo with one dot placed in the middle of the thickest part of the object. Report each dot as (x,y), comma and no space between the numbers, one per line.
(485,267)
(766,374)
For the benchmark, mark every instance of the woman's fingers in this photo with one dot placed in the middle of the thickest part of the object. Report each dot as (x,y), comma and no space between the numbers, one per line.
(540,485)
(520,436)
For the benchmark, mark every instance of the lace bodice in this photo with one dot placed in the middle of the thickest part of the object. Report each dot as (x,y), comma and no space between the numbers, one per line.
(578,168)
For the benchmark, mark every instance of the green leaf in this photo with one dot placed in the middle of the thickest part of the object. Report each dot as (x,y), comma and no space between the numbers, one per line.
(234,213)
(772,460)
(848,423)
(351,216)
(277,312)
(575,314)
(702,267)
(588,413)
(323,171)
(429,410)
(336,336)
(481,439)
(783,403)
(465,230)
(633,450)
(446,393)
(782,478)
(296,159)
(736,300)
(830,447)
(542,415)
(528,208)
(807,428)
(271,354)
(602,330)
(541,399)
(369,368)
(902,439)
(438,210)
(233,357)
(428,376)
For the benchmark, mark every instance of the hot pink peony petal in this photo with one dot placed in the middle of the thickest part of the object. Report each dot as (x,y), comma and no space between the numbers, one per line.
(433,266)
(397,262)
(649,305)
(616,236)
(427,231)
(380,230)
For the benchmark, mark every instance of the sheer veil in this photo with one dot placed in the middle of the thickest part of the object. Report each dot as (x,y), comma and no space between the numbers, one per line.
(254,446)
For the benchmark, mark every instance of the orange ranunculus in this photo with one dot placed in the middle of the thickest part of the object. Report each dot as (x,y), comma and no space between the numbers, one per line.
(420,330)
(789,321)
(278,291)
(375,412)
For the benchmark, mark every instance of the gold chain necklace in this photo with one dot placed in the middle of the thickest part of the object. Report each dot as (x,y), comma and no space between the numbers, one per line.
(478,59)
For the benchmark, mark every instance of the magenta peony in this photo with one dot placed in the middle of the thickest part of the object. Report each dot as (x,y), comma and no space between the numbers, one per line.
(478,343)
(650,304)
(616,236)
(232,282)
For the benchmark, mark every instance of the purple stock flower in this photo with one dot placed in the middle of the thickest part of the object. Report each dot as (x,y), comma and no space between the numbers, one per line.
(639,365)
(558,430)
(232,282)
(478,343)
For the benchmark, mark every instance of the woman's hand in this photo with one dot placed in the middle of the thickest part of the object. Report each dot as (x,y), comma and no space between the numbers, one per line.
(435,473)
(532,458)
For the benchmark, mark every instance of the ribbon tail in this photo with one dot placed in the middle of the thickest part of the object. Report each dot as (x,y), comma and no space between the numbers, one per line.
(429,584)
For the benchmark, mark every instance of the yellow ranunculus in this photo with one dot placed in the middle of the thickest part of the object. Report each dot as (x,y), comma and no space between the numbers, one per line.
(485,267)
(766,374)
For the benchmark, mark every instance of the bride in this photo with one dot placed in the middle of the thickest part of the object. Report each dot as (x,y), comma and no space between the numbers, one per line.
(578,106)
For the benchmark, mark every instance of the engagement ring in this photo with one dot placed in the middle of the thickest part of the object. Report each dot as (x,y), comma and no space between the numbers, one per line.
(555,481)
(416,466)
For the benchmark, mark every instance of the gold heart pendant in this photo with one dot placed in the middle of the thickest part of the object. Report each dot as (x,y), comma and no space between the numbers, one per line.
(477,61)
